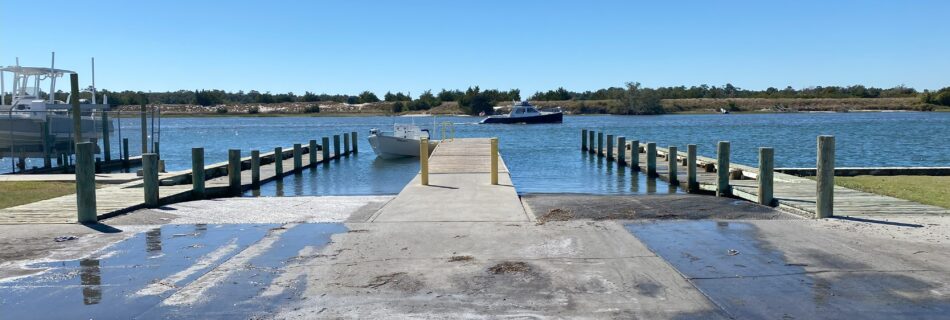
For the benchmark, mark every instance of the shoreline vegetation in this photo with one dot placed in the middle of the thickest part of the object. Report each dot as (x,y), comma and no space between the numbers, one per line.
(632,99)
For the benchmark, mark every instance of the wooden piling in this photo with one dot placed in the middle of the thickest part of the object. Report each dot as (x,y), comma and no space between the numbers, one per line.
(635,155)
(85,183)
(234,171)
(826,177)
(325,147)
(298,157)
(150,179)
(346,144)
(494,161)
(583,139)
(312,153)
(722,170)
(256,168)
(424,161)
(278,162)
(590,142)
(622,150)
(155,150)
(672,165)
(765,176)
(610,147)
(125,153)
(198,173)
(336,146)
(106,145)
(651,159)
(600,144)
(692,181)
(355,143)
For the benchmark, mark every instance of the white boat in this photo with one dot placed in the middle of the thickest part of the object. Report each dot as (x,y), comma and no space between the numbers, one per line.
(403,141)
(31,127)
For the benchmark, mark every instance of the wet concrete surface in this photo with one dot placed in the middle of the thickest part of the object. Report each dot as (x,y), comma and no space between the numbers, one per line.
(674,206)
(741,270)
(164,273)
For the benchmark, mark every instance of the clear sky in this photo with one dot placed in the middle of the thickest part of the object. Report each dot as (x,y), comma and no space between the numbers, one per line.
(350,46)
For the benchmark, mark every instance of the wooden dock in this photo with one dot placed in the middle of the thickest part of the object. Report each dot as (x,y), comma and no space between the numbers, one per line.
(459,188)
(792,193)
(175,187)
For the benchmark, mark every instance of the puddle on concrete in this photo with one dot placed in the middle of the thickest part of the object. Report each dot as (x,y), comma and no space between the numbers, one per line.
(133,277)
(734,267)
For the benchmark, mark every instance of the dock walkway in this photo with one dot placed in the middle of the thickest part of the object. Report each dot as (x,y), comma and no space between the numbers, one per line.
(175,187)
(792,193)
(459,188)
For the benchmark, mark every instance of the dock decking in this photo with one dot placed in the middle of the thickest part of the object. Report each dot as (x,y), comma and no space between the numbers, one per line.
(459,188)
(793,194)
(175,187)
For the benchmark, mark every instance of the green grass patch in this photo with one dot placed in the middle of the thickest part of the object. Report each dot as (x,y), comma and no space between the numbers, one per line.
(17,193)
(923,189)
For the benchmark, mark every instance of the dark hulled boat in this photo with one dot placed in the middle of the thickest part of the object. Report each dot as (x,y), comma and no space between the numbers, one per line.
(526,113)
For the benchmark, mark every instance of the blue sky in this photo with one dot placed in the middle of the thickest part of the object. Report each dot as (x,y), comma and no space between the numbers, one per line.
(350,46)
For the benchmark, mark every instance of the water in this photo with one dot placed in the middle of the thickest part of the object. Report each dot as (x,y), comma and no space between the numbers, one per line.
(546,158)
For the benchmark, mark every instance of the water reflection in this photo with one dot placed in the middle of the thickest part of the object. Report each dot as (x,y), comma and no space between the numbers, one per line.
(91,279)
(651,185)
(153,242)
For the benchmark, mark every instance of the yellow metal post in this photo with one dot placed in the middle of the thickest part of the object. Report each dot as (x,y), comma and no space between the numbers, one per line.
(424,160)
(494,161)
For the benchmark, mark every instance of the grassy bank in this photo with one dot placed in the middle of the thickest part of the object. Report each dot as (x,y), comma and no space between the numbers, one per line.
(17,193)
(923,189)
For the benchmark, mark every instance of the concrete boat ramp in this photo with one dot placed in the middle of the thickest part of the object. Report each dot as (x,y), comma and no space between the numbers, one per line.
(464,248)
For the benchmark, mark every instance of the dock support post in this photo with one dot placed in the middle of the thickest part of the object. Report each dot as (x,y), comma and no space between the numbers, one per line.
(355,143)
(722,169)
(106,145)
(672,165)
(150,179)
(155,150)
(692,183)
(346,144)
(234,171)
(125,153)
(278,162)
(85,183)
(144,128)
(622,150)
(590,142)
(47,160)
(494,161)
(424,160)
(198,173)
(635,155)
(825,177)
(336,146)
(325,147)
(312,153)
(610,147)
(583,139)
(600,144)
(256,168)
(651,159)
(765,177)
(76,109)
(298,157)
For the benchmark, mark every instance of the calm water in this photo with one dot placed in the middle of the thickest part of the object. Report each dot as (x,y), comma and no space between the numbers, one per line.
(546,158)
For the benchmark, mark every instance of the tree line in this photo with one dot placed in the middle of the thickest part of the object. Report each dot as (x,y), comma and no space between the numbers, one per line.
(731,91)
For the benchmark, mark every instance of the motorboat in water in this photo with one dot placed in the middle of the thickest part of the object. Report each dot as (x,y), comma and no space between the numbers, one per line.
(32,126)
(403,141)
(524,112)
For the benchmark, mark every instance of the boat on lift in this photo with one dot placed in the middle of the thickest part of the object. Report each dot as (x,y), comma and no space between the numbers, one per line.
(524,112)
(32,126)
(402,142)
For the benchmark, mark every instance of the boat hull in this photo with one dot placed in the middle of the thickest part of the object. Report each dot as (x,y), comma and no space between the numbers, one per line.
(387,147)
(556,117)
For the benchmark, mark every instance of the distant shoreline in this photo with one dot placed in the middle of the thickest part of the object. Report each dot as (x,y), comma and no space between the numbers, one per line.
(575,107)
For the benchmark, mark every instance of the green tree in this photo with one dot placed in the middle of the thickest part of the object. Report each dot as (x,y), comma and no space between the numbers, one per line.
(639,100)
(368,97)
